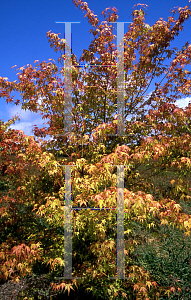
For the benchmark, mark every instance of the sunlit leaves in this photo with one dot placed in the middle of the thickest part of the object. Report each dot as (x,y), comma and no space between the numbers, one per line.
(93,162)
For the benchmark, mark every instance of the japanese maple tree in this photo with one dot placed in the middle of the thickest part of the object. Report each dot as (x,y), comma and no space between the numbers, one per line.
(32,211)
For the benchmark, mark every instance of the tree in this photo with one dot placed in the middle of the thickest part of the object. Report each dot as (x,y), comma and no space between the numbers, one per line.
(34,202)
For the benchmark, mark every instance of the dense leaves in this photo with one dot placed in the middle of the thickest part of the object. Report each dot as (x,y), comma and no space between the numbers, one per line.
(157,172)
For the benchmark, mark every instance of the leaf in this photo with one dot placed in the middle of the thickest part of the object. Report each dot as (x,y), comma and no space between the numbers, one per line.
(149,284)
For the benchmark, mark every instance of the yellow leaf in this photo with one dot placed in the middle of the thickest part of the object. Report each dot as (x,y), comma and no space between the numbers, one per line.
(187,233)
(94,273)
(164,222)
(149,284)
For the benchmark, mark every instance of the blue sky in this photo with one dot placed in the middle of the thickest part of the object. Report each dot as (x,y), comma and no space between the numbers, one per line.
(24,24)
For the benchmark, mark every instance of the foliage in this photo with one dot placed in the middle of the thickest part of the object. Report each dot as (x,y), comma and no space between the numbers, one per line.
(32,207)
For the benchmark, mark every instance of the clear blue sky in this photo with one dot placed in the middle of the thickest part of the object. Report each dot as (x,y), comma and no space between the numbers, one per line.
(23,28)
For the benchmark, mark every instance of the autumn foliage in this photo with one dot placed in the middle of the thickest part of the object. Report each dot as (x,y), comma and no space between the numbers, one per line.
(31,200)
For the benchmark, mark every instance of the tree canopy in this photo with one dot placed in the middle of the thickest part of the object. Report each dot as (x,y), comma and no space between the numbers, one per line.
(155,212)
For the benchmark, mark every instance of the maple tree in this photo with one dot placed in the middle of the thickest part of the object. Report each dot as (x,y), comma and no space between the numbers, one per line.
(32,210)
